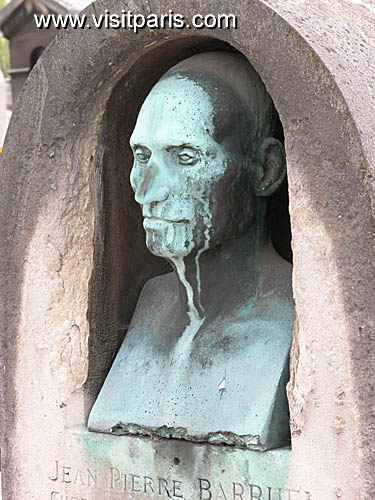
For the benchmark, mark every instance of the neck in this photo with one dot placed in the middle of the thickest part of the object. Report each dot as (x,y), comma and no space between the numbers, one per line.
(218,280)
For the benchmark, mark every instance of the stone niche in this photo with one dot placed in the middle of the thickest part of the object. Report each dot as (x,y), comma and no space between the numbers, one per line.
(73,258)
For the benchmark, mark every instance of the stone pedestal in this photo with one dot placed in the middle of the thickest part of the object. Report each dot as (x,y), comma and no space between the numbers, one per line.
(103,467)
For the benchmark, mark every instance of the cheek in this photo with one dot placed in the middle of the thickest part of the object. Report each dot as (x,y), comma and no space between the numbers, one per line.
(201,183)
(133,177)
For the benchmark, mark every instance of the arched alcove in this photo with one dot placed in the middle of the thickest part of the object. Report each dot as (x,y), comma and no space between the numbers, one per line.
(58,259)
(122,264)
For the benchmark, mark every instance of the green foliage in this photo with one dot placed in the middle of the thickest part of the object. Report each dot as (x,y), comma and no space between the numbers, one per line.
(4,49)
(4,56)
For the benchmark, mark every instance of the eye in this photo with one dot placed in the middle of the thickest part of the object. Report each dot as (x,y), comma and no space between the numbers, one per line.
(142,154)
(188,156)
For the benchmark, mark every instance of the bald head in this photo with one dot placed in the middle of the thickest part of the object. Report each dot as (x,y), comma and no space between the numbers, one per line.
(243,112)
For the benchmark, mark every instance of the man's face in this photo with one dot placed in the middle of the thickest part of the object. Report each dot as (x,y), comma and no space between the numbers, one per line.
(181,176)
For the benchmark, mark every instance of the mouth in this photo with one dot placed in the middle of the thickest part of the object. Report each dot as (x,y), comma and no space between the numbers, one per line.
(159,219)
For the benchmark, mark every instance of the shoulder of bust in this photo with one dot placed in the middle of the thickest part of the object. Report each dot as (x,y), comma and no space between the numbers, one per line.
(157,286)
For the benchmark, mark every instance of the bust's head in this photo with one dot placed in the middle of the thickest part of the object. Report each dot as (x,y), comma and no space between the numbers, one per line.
(205,155)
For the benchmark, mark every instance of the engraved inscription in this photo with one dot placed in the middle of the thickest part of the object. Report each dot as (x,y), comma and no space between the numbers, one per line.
(55,495)
(242,491)
(113,481)
(145,484)
(66,474)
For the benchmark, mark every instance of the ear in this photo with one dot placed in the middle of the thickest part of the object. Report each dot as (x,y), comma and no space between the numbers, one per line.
(272,166)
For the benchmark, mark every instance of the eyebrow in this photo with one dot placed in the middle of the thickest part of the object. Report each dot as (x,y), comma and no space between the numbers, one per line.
(135,146)
(183,145)
(169,146)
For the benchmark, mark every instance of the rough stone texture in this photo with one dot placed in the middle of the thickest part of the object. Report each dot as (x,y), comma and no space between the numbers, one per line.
(72,255)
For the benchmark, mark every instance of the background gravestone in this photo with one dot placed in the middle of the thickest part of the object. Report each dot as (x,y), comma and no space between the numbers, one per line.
(26,40)
(73,259)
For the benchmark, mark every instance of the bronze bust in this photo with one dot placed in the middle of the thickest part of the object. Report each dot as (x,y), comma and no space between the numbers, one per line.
(206,355)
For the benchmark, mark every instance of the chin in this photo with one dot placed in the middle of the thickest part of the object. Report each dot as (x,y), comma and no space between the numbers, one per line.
(171,250)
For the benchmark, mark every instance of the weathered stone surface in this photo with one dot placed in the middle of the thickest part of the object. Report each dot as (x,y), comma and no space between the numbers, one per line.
(72,256)
(114,467)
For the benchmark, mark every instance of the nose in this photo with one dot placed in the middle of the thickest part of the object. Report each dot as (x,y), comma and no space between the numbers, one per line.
(150,182)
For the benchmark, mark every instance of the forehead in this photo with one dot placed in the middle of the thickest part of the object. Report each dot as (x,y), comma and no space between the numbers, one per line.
(177,111)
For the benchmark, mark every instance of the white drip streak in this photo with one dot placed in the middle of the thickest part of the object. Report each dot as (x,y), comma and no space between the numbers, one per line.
(182,349)
(180,357)
(181,271)
(199,253)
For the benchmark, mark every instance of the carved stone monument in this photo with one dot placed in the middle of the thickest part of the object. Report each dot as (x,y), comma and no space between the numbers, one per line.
(207,352)
(81,293)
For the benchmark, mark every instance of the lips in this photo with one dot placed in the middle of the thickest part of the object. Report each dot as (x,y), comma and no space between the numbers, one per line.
(160,219)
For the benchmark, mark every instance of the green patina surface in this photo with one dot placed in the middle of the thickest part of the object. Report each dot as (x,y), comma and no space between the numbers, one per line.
(206,355)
